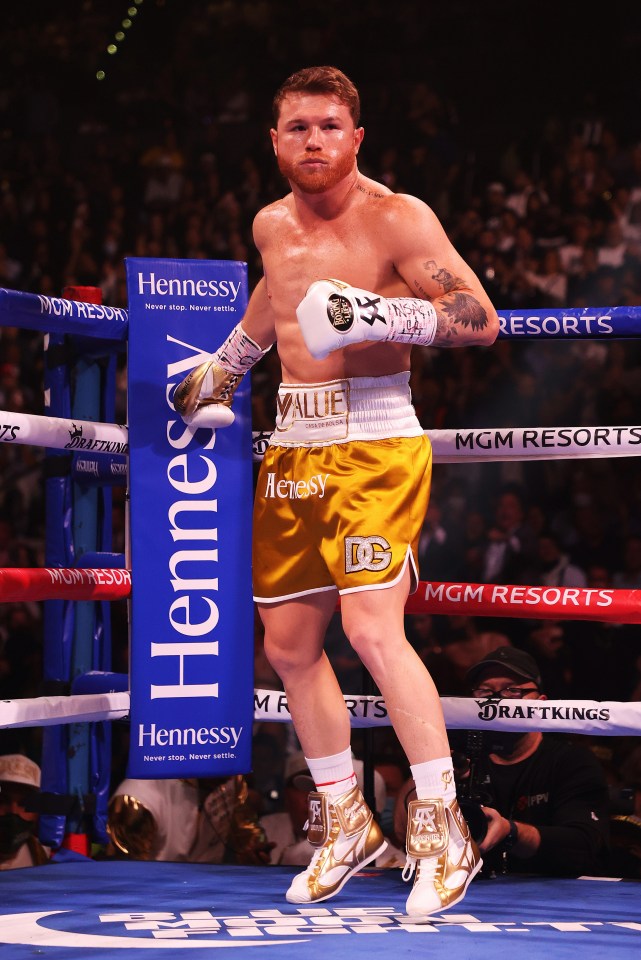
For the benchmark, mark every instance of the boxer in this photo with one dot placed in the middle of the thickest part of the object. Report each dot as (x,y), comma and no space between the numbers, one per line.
(344,485)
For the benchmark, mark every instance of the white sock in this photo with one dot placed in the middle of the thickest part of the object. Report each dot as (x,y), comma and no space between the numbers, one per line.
(333,775)
(434,779)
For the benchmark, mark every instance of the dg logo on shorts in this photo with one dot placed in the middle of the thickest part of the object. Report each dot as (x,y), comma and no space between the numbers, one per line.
(367,553)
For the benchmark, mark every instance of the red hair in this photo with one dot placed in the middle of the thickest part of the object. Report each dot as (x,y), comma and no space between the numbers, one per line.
(323,80)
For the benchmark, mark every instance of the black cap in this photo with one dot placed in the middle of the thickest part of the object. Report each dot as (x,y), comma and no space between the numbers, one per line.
(512,659)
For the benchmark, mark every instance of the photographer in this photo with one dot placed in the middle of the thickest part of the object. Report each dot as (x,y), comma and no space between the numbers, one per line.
(19,785)
(541,803)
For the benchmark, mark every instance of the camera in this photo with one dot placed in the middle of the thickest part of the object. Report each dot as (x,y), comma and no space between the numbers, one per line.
(473,790)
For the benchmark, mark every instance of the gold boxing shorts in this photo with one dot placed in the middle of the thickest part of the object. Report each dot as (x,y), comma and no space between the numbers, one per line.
(340,502)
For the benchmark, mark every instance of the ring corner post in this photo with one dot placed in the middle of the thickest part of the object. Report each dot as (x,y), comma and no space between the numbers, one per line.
(191,494)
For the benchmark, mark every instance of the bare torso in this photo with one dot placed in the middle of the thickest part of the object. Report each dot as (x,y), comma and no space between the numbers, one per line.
(298,245)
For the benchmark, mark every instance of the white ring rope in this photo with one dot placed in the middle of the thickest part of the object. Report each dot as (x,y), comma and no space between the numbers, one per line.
(535,443)
(607,718)
(59,433)
(448,446)
(49,711)
(528,443)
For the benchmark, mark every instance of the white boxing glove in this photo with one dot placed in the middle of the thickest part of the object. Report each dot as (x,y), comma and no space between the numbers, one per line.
(333,315)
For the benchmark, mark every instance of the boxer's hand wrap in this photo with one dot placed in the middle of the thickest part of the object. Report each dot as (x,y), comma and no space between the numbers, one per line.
(333,315)
(212,384)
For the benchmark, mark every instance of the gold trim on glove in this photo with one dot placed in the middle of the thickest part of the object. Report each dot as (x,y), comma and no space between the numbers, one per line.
(194,392)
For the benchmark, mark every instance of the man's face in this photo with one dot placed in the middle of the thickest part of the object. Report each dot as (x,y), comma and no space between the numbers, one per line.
(494,683)
(14,798)
(16,820)
(315,141)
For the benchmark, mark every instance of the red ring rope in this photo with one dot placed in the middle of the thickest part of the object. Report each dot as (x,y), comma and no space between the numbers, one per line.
(432,596)
(62,583)
(537,602)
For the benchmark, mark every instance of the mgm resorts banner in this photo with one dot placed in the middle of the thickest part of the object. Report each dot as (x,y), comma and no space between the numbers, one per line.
(191,658)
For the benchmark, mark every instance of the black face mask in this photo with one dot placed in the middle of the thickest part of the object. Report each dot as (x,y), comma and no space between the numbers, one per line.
(14,831)
(503,742)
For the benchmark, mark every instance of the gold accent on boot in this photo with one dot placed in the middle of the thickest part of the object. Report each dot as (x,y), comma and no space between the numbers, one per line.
(441,855)
(346,838)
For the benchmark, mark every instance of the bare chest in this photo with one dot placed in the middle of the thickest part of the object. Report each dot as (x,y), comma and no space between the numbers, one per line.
(352,249)
(296,257)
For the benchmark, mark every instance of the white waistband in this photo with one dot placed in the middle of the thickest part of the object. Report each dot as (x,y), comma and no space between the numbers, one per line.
(356,408)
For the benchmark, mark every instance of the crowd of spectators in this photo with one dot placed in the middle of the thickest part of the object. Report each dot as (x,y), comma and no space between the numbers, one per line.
(169,156)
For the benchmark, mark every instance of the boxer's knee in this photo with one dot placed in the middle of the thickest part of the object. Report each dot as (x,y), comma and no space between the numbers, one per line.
(288,657)
(376,642)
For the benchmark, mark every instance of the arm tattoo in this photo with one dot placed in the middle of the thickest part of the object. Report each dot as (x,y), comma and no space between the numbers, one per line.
(443,277)
(458,309)
(454,307)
